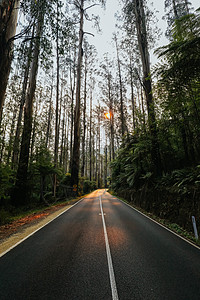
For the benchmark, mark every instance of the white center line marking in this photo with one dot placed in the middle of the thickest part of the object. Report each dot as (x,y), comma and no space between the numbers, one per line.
(109,258)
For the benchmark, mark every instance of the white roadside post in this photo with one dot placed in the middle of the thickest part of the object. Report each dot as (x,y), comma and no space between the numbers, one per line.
(195,228)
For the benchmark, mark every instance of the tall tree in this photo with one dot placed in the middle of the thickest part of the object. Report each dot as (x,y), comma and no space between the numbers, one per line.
(20,191)
(122,114)
(107,87)
(56,144)
(76,147)
(8,23)
(23,96)
(144,52)
(84,109)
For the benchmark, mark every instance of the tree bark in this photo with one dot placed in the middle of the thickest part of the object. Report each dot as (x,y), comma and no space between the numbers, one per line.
(23,97)
(20,191)
(49,116)
(57,109)
(11,135)
(143,47)
(8,24)
(132,93)
(123,123)
(90,145)
(76,147)
(99,146)
(72,88)
(84,117)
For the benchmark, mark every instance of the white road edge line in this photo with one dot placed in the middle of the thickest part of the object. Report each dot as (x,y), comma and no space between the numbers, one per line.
(159,224)
(109,258)
(15,245)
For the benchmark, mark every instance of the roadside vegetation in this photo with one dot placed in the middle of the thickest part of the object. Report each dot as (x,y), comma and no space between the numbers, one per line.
(174,194)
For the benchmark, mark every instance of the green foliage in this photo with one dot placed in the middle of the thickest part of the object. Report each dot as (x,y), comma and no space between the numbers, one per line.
(66,179)
(88,186)
(4,216)
(6,182)
(184,181)
(40,177)
(133,164)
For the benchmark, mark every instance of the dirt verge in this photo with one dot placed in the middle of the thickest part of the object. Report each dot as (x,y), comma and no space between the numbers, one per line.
(11,234)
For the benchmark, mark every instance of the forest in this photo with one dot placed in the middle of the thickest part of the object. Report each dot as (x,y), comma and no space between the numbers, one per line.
(70,123)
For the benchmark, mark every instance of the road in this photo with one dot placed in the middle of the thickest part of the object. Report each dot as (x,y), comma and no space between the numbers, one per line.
(101,249)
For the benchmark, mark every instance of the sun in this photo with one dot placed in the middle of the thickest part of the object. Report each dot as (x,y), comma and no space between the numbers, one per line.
(107,115)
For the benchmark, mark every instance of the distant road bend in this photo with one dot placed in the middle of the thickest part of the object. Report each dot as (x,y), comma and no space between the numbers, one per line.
(101,248)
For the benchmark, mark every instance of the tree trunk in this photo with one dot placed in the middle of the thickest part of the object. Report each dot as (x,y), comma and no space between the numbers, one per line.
(57,109)
(49,116)
(143,47)
(33,136)
(8,24)
(132,93)
(20,191)
(90,145)
(2,142)
(76,148)
(23,97)
(86,153)
(93,155)
(11,135)
(112,151)
(123,123)
(62,142)
(106,167)
(84,122)
(72,84)
(99,142)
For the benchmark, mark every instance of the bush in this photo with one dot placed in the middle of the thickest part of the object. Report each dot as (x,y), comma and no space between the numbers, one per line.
(89,186)
(6,182)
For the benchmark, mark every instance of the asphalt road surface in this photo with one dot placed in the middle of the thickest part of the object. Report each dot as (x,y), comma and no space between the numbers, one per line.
(101,249)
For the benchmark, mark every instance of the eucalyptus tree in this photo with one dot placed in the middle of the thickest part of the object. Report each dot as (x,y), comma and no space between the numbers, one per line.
(121,88)
(71,92)
(80,5)
(135,11)
(89,73)
(90,135)
(8,23)
(16,143)
(61,31)
(86,55)
(107,87)
(10,112)
(39,8)
(49,112)
(98,116)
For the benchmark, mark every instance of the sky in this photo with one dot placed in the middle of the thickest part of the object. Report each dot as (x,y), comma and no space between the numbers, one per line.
(107,24)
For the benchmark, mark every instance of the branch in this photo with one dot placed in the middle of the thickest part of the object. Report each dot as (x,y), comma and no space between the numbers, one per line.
(140,79)
(85,32)
(87,17)
(91,6)
(23,32)
(29,38)
(77,4)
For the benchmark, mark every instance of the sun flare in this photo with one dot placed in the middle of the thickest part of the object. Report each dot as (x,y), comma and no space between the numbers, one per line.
(107,115)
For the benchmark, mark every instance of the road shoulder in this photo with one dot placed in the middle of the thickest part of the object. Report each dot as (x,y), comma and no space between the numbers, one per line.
(17,231)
